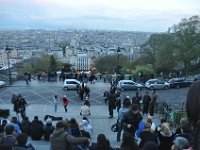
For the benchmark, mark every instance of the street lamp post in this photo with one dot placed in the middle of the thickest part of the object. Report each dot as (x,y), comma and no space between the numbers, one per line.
(118,67)
(8,59)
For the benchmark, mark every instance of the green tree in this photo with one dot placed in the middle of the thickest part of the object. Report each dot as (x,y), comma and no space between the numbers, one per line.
(187,41)
(52,64)
(110,63)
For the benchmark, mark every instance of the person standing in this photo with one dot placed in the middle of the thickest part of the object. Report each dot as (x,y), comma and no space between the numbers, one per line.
(131,120)
(121,112)
(154,98)
(146,102)
(111,103)
(21,102)
(14,100)
(55,101)
(136,99)
(65,102)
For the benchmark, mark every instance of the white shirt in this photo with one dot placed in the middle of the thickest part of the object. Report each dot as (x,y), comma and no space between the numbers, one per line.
(85,110)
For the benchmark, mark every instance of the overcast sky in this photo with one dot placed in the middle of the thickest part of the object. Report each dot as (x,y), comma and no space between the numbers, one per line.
(131,15)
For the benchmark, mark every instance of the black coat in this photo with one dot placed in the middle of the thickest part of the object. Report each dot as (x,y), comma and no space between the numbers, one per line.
(133,119)
(147,136)
(48,129)
(36,130)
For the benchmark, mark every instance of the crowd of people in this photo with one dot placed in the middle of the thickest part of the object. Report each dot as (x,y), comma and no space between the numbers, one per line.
(136,129)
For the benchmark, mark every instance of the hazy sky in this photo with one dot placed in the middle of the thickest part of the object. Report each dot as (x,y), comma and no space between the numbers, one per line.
(132,15)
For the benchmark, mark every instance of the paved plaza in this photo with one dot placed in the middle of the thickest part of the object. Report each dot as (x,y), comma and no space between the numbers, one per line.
(39,96)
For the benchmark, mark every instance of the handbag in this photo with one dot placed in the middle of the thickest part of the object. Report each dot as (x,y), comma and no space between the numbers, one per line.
(114,127)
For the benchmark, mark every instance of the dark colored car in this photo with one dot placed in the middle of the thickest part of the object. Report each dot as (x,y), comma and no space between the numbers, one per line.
(179,82)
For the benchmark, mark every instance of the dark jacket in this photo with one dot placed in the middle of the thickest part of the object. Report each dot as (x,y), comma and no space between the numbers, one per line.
(147,136)
(61,140)
(25,127)
(146,100)
(133,119)
(165,141)
(48,130)
(36,130)
(95,146)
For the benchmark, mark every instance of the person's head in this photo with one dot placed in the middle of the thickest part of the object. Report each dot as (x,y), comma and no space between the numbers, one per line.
(48,121)
(126,103)
(21,139)
(4,122)
(136,93)
(60,125)
(56,96)
(150,145)
(147,92)
(9,129)
(180,143)
(135,109)
(36,118)
(80,126)
(185,126)
(102,140)
(149,119)
(14,119)
(73,121)
(147,127)
(163,120)
(165,129)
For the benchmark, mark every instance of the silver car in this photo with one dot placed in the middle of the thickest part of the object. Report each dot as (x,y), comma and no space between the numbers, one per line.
(2,84)
(128,85)
(70,84)
(156,84)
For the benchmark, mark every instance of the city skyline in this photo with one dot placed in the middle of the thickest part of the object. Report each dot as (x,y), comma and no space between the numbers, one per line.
(127,15)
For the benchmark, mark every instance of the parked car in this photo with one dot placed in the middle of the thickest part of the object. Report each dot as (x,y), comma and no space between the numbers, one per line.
(2,83)
(179,82)
(156,84)
(128,85)
(70,84)
(196,77)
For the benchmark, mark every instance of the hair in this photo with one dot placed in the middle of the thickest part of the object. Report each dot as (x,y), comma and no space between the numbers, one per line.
(36,118)
(150,145)
(163,120)
(193,112)
(21,139)
(126,102)
(165,129)
(128,142)
(60,124)
(149,119)
(73,121)
(181,143)
(9,129)
(186,126)
(134,107)
(102,142)
(14,119)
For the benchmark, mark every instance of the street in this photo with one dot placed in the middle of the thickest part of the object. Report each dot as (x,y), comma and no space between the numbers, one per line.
(43,92)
